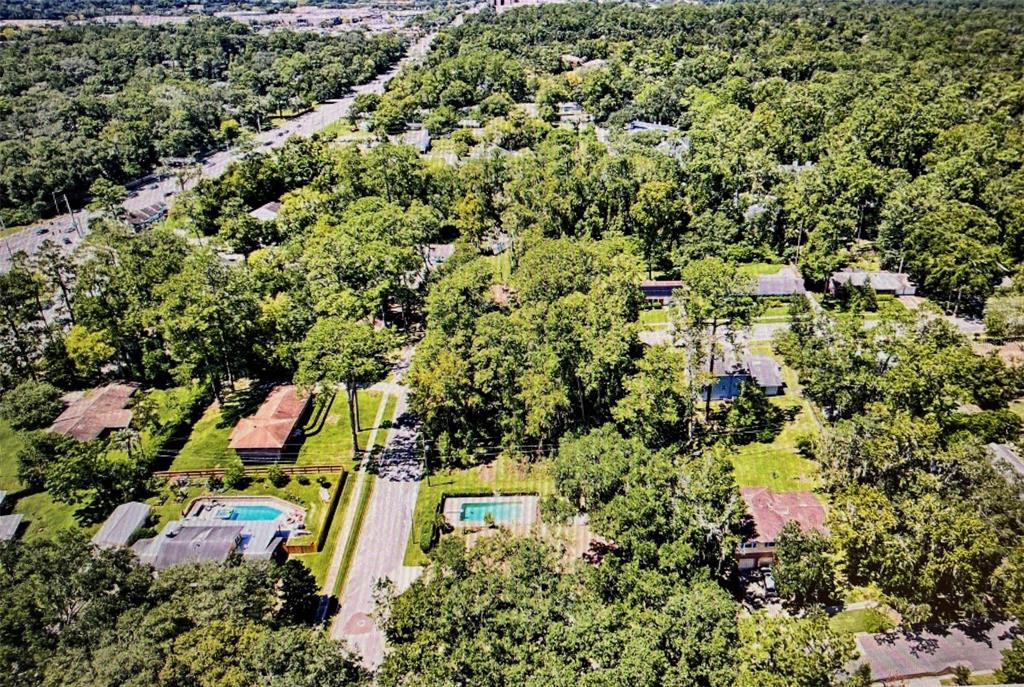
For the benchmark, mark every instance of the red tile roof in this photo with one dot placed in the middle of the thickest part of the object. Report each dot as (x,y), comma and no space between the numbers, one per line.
(771,510)
(95,412)
(273,423)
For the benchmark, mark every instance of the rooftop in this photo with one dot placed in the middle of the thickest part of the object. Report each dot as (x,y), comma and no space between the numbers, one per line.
(785,282)
(95,412)
(761,368)
(208,541)
(879,281)
(125,521)
(272,424)
(771,510)
(266,212)
(9,525)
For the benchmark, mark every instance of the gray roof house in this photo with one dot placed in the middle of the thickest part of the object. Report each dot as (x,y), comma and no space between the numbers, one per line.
(731,373)
(209,541)
(786,282)
(126,520)
(638,126)
(892,283)
(9,525)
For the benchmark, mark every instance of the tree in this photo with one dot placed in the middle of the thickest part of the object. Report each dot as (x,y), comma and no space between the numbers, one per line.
(88,350)
(804,570)
(37,453)
(658,216)
(714,297)
(657,406)
(752,417)
(299,593)
(1012,669)
(337,351)
(108,198)
(31,405)
(779,651)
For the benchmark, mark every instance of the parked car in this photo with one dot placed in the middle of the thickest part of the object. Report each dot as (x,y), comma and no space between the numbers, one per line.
(769,581)
(41,230)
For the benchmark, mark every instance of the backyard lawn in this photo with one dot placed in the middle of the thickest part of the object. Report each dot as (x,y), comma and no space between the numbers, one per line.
(654,318)
(778,465)
(327,441)
(503,476)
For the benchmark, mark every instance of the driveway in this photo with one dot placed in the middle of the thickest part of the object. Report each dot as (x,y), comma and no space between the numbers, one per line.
(908,654)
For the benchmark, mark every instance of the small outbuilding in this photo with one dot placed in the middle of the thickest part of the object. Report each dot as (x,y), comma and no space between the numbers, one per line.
(262,437)
(659,291)
(123,523)
(96,413)
(9,526)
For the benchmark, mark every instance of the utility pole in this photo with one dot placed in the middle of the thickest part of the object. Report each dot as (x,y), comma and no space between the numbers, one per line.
(74,221)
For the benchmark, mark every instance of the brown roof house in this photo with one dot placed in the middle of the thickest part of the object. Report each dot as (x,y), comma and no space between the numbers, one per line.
(261,438)
(96,413)
(770,511)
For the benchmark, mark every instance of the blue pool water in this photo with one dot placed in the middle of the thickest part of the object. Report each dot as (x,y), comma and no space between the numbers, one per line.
(501,511)
(249,513)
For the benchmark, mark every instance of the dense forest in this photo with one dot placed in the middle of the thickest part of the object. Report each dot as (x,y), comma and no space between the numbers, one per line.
(84,102)
(908,115)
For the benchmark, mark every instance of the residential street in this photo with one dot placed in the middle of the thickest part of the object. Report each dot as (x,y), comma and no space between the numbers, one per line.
(383,537)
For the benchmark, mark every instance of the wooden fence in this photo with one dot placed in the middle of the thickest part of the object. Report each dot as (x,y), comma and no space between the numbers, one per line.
(254,470)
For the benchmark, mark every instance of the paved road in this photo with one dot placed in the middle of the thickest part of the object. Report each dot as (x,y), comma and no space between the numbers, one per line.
(898,655)
(60,228)
(382,539)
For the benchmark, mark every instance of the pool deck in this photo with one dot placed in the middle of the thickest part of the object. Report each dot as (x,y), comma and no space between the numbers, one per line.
(529,514)
(205,508)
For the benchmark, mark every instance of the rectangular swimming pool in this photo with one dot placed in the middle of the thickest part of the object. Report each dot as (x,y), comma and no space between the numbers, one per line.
(500,511)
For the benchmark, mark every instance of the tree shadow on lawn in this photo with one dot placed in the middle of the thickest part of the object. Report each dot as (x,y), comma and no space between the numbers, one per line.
(243,403)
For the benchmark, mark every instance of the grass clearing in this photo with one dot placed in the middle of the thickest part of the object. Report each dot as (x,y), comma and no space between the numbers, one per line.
(318,562)
(778,465)
(654,317)
(756,269)
(502,476)
(353,537)
(870,620)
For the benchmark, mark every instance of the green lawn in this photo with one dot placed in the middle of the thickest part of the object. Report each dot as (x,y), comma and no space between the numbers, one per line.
(755,269)
(502,265)
(353,538)
(988,678)
(328,439)
(860,620)
(654,317)
(502,476)
(778,465)
(10,443)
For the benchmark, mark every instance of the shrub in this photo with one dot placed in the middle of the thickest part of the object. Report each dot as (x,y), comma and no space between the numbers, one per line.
(752,417)
(234,476)
(214,483)
(428,534)
(302,479)
(276,476)
(31,405)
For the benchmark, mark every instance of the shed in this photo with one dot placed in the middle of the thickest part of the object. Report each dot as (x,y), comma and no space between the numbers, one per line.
(125,521)
(9,525)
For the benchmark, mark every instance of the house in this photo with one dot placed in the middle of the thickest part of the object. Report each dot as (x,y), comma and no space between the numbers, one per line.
(732,373)
(638,126)
(1006,459)
(209,541)
(769,512)
(659,291)
(96,413)
(263,436)
(123,523)
(886,283)
(9,525)
(786,282)
(418,139)
(266,212)
(571,111)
